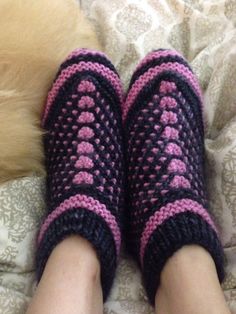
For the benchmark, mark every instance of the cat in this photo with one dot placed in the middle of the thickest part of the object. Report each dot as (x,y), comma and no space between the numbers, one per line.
(35,38)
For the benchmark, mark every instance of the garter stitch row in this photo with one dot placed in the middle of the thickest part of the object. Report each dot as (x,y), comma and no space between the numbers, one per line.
(166,195)
(84,159)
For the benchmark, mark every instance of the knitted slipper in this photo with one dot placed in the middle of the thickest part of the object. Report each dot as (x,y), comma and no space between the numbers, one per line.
(84,160)
(165,155)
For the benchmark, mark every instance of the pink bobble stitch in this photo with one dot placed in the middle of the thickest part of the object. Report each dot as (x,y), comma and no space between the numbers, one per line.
(168,117)
(84,162)
(173,149)
(167,87)
(85,148)
(86,102)
(83,177)
(85,133)
(177,165)
(180,182)
(170,133)
(168,102)
(86,86)
(86,117)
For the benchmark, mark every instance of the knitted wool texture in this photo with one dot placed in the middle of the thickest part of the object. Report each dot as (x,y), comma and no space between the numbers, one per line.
(84,159)
(166,197)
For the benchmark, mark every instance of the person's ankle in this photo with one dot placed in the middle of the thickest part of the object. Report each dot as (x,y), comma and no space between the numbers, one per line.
(78,251)
(189,284)
(184,261)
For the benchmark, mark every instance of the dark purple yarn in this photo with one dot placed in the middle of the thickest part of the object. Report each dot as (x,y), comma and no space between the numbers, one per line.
(166,194)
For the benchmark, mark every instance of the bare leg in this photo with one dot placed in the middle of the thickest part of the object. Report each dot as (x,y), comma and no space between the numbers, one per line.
(71,281)
(189,284)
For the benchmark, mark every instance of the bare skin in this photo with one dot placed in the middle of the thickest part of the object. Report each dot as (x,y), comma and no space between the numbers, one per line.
(189,284)
(71,281)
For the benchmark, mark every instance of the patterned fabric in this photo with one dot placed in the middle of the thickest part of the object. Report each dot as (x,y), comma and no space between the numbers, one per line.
(84,160)
(165,156)
(21,210)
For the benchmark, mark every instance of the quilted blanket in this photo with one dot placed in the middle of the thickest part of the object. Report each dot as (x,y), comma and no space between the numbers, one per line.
(204,31)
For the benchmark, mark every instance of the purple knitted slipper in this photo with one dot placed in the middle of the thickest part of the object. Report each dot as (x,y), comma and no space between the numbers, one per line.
(164,134)
(84,159)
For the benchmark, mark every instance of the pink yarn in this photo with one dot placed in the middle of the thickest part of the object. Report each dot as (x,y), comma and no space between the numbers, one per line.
(85,148)
(84,162)
(85,133)
(168,117)
(168,102)
(170,133)
(180,182)
(86,102)
(177,165)
(151,74)
(168,211)
(83,201)
(86,86)
(83,177)
(82,66)
(167,87)
(86,117)
(173,149)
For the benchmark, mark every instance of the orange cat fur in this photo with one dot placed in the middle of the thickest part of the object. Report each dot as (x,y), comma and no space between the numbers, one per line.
(35,37)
